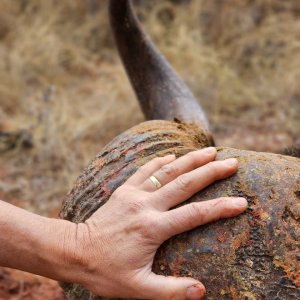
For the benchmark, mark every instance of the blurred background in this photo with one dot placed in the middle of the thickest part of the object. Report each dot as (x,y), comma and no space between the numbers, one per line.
(64,93)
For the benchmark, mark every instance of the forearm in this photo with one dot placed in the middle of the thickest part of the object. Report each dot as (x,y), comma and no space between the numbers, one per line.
(112,252)
(37,244)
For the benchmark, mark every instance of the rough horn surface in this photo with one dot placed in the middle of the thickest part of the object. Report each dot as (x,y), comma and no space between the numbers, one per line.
(252,256)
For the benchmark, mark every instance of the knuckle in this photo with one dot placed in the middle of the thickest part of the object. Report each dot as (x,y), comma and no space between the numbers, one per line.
(189,216)
(134,206)
(150,227)
(192,155)
(169,170)
(155,162)
(194,161)
(184,183)
(119,192)
(158,161)
(194,210)
(196,213)
(221,203)
(142,170)
(213,169)
(212,166)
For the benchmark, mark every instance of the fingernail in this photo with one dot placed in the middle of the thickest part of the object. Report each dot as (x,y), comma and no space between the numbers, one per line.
(239,202)
(209,150)
(195,292)
(231,162)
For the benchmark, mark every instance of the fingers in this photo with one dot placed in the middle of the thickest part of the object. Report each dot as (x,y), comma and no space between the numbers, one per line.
(182,165)
(195,214)
(145,171)
(186,185)
(182,288)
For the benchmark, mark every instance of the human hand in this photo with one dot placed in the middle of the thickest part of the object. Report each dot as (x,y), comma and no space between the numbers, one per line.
(117,244)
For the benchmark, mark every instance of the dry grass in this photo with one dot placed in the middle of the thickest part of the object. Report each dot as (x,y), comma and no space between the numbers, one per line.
(61,79)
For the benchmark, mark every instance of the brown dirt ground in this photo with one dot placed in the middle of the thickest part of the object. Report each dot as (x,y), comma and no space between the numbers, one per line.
(17,285)
(61,82)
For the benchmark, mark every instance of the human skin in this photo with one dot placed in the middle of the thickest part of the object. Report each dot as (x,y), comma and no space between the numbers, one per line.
(111,253)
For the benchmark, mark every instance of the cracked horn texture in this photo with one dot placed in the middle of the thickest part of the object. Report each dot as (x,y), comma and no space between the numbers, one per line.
(253,256)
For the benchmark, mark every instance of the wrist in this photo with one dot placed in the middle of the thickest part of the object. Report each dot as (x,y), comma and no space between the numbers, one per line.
(40,245)
(67,259)
(85,256)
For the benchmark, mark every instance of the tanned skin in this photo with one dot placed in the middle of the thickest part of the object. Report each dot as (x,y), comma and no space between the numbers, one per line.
(111,254)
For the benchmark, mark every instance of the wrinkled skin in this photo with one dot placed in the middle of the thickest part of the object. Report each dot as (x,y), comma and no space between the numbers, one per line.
(253,256)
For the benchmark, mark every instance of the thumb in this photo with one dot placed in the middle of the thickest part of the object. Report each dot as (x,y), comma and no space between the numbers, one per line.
(175,288)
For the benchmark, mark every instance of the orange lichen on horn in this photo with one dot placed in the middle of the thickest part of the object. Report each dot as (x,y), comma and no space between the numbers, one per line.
(252,256)
(256,255)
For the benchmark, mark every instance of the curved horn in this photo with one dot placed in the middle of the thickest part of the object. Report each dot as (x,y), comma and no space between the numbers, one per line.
(160,91)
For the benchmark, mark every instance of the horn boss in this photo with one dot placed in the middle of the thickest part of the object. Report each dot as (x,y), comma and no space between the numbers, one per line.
(253,256)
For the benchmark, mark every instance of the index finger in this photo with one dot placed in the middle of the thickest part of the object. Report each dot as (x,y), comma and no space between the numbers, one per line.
(186,185)
(149,168)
